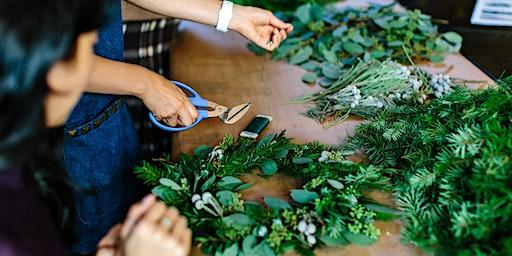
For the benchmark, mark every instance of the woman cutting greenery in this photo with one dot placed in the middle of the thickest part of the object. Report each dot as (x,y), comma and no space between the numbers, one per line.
(100,145)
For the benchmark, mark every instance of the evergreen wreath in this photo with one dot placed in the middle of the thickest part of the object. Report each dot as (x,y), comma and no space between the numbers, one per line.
(330,209)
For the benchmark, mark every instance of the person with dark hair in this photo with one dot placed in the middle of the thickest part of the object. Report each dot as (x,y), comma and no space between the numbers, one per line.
(100,146)
(46,59)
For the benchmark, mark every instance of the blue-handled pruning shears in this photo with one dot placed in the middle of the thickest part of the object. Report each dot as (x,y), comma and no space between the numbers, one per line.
(228,116)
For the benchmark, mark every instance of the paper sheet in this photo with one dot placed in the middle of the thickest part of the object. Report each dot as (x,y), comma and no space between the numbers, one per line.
(492,13)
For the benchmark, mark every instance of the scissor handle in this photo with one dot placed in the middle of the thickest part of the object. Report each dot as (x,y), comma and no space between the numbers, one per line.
(196,100)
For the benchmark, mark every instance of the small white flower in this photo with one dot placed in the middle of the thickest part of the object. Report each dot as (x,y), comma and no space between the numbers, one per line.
(277,221)
(302,226)
(324,156)
(398,95)
(352,105)
(207,196)
(380,104)
(311,240)
(423,96)
(420,100)
(199,204)
(311,229)
(195,197)
(262,231)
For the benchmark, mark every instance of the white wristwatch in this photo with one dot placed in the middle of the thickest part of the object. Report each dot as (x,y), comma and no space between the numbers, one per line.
(225,15)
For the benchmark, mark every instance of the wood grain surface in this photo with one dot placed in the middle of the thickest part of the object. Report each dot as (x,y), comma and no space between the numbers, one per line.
(221,69)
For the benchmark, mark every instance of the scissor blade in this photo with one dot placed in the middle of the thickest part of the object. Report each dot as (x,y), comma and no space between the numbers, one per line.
(236,113)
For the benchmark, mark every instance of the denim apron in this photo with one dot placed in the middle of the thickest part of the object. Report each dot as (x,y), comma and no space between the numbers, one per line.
(100,150)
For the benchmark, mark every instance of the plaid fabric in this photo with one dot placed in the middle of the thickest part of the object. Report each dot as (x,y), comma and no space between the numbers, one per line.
(147,43)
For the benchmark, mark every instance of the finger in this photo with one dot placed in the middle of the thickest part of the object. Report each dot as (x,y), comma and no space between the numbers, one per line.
(283,34)
(155,213)
(192,111)
(187,240)
(276,41)
(274,21)
(109,244)
(136,212)
(289,28)
(169,220)
(180,227)
(185,116)
(171,121)
(111,238)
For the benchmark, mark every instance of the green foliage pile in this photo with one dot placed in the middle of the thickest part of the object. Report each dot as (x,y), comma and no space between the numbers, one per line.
(330,208)
(281,5)
(452,167)
(326,40)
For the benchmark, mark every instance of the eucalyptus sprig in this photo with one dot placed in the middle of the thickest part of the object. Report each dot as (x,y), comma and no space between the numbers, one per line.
(329,209)
(327,41)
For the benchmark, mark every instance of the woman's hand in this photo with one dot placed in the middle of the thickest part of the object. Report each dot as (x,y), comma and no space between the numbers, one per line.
(149,229)
(168,102)
(259,26)
(153,229)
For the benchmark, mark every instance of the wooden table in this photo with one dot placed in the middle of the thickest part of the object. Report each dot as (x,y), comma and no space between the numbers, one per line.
(220,68)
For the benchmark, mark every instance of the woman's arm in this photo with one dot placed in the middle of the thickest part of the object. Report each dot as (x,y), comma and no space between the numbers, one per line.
(162,97)
(257,25)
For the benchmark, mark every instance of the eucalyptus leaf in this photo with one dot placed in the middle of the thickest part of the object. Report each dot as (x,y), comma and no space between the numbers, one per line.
(229,182)
(225,197)
(310,65)
(334,241)
(330,56)
(248,244)
(268,167)
(170,183)
(276,203)
(326,82)
(208,183)
(301,56)
(335,184)
(338,32)
(316,12)
(243,187)
(231,251)
(436,58)
(281,154)
(359,239)
(202,151)
(331,71)
(303,196)
(309,78)
(353,48)
(303,13)
(238,220)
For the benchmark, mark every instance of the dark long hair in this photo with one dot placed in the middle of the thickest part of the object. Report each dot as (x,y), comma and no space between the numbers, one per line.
(34,35)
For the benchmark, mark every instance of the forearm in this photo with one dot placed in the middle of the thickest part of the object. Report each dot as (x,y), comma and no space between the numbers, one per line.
(114,77)
(202,11)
